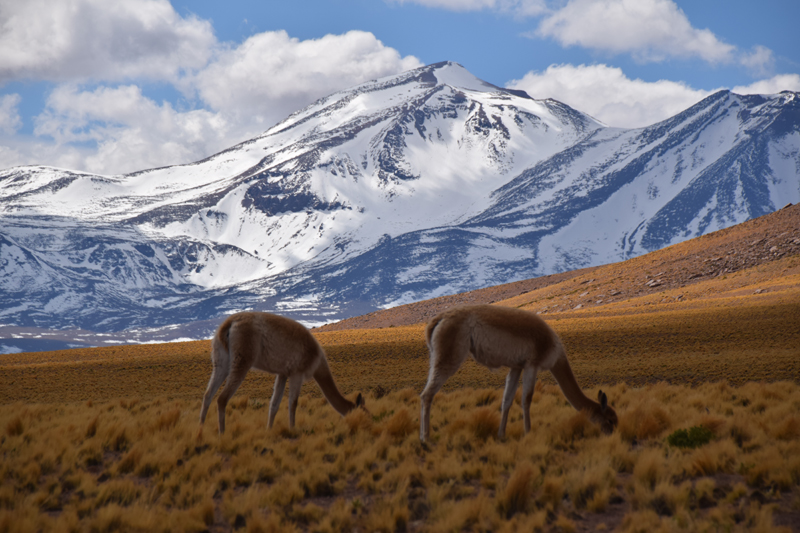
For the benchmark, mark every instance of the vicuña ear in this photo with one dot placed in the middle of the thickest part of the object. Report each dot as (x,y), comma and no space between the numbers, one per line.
(603,399)
(360,401)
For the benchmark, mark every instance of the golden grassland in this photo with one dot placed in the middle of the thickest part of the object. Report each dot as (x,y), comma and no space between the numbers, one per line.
(140,465)
(106,439)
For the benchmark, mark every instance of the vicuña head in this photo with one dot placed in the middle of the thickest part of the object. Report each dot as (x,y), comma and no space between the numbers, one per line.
(273,344)
(500,336)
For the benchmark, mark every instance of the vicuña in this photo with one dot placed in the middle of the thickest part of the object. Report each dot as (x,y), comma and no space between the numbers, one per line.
(273,344)
(500,336)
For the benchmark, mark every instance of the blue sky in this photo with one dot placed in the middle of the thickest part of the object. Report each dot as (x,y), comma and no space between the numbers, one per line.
(113,87)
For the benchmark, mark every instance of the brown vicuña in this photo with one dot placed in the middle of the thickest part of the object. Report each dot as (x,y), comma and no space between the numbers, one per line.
(498,336)
(273,344)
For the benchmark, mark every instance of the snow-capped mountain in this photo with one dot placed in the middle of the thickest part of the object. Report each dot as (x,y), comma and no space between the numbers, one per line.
(408,187)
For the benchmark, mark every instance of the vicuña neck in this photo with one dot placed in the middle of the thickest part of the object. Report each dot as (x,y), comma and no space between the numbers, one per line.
(324,379)
(569,385)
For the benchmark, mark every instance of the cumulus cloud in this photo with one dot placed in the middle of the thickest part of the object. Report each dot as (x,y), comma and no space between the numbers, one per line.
(102,55)
(773,85)
(608,95)
(76,40)
(10,120)
(760,60)
(650,30)
(244,90)
(127,130)
(271,74)
(517,7)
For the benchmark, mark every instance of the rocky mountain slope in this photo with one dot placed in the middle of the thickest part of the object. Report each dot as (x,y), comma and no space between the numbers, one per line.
(613,195)
(410,187)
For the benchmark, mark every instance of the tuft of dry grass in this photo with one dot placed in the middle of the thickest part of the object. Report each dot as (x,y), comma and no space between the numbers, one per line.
(400,425)
(650,467)
(484,423)
(358,420)
(645,421)
(577,426)
(167,419)
(14,427)
(788,429)
(717,457)
(517,493)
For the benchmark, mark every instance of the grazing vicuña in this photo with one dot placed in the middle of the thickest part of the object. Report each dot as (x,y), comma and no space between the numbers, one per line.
(500,336)
(273,344)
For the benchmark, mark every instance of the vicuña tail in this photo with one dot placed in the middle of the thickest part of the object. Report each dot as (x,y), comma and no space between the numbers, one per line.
(221,366)
(429,330)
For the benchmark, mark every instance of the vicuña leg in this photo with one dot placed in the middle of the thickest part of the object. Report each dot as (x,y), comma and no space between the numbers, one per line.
(295,383)
(275,402)
(426,399)
(235,379)
(512,381)
(528,383)
(218,375)
(439,373)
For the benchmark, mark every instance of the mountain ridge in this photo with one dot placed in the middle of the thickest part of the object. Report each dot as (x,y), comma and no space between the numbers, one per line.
(405,188)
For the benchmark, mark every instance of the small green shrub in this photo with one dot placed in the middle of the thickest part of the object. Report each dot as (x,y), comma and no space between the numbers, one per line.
(694,437)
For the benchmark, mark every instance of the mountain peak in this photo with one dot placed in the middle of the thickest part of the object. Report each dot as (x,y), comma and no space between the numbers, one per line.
(455,75)
(407,90)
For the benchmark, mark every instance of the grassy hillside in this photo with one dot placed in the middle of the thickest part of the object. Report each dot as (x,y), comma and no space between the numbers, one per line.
(708,261)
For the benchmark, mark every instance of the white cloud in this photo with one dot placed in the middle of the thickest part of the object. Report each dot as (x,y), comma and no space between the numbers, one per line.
(101,54)
(650,30)
(774,85)
(517,7)
(240,90)
(608,95)
(759,61)
(10,120)
(271,75)
(12,157)
(89,46)
(116,130)
(78,40)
